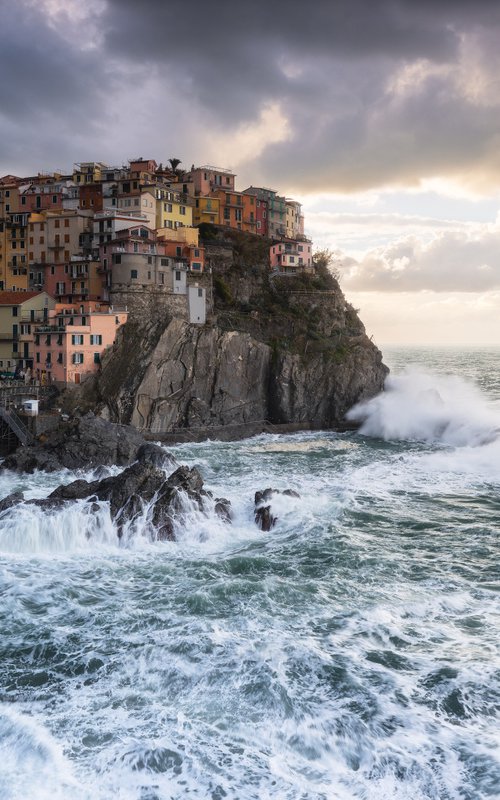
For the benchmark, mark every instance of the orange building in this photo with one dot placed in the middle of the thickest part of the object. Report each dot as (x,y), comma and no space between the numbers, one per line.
(237,210)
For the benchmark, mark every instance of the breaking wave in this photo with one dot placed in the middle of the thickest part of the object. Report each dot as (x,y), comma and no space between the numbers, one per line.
(429,408)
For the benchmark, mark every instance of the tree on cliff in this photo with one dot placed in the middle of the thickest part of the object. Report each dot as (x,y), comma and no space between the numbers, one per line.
(325,261)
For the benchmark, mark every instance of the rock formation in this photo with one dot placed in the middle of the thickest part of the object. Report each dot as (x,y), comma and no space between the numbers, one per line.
(81,443)
(282,349)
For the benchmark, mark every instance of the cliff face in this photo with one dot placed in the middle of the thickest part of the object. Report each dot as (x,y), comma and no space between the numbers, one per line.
(288,350)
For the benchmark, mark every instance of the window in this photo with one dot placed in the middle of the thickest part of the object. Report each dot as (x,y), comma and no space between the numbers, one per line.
(23,201)
(117,259)
(38,358)
(59,358)
(200,292)
(196,265)
(56,223)
(77,358)
(133,274)
(77,338)
(162,277)
(97,358)
(66,223)
(183,210)
(48,340)
(177,274)
(196,253)
(54,198)
(15,311)
(178,251)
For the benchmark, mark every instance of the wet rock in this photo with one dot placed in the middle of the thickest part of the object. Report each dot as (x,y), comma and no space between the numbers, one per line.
(135,487)
(169,504)
(154,454)
(264,518)
(79,443)
(223,509)
(12,499)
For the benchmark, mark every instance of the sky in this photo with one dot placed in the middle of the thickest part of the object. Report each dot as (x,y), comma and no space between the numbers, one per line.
(381,116)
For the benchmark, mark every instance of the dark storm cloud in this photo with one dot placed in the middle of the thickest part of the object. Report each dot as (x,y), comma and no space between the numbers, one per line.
(330,65)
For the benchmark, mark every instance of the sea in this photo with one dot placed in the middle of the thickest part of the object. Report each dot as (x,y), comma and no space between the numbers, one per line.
(351,652)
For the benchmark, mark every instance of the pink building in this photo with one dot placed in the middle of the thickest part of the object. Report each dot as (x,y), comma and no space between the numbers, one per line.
(291,256)
(208,179)
(70,344)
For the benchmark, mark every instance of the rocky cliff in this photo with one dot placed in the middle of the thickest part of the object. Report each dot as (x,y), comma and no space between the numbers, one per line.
(282,349)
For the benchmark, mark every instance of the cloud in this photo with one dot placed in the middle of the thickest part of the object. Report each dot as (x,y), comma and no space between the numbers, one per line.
(465,319)
(366,94)
(453,261)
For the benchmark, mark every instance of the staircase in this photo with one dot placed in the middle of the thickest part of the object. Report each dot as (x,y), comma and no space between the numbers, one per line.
(16,425)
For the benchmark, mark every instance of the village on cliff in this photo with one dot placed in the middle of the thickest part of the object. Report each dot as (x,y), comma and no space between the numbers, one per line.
(78,250)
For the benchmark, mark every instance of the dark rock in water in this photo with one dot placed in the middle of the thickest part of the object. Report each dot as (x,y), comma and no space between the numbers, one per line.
(264,518)
(154,454)
(169,502)
(11,500)
(223,509)
(135,487)
(80,443)
(290,493)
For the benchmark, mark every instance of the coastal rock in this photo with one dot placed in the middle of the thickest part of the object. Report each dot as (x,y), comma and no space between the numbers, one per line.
(130,491)
(223,509)
(11,500)
(286,351)
(154,454)
(265,518)
(79,443)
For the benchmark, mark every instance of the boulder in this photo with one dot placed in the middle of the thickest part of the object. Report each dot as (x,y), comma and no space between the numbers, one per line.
(223,509)
(12,499)
(79,443)
(154,454)
(264,517)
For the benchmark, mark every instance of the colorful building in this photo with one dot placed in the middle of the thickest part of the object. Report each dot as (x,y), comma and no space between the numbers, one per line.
(69,345)
(291,256)
(173,209)
(19,312)
(294,219)
(275,211)
(206,209)
(208,179)
(237,210)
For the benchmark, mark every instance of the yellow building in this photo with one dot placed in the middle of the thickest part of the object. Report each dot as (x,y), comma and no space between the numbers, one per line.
(185,235)
(172,210)
(19,312)
(13,221)
(88,171)
(206,210)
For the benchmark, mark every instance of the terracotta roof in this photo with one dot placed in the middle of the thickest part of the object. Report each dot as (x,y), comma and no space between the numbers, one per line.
(15,298)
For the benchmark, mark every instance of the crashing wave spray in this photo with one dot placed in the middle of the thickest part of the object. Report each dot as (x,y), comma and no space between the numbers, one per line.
(429,408)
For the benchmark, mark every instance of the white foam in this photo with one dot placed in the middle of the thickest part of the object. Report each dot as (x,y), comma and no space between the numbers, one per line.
(429,408)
